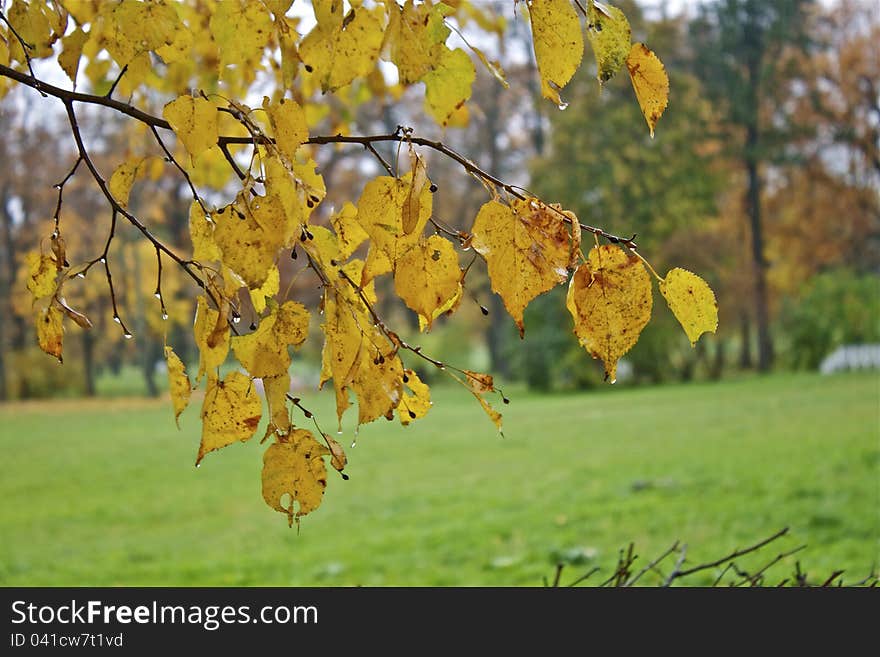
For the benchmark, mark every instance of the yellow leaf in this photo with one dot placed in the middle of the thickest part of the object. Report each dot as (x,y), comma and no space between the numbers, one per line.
(32,24)
(178,49)
(428,277)
(267,290)
(201,232)
(610,36)
(148,25)
(337,54)
(692,302)
(50,331)
(380,213)
(416,405)
(276,388)
(178,383)
(376,265)
(250,232)
(343,328)
(348,231)
(288,126)
(263,353)
(417,35)
(494,415)
(241,29)
(282,183)
(72,47)
(231,411)
(292,323)
(329,13)
(294,468)
(41,274)
(212,337)
(610,300)
(448,84)
(194,121)
(528,249)
(559,44)
(378,383)
(126,174)
(650,82)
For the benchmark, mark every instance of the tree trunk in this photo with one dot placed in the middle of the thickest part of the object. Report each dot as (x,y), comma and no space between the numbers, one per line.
(753,206)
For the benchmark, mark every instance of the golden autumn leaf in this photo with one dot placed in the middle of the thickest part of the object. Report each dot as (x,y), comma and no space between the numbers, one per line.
(178,383)
(267,290)
(294,468)
(528,248)
(337,54)
(448,84)
(126,174)
(343,337)
(610,36)
(72,47)
(50,331)
(376,265)
(194,121)
(377,383)
(650,82)
(289,126)
(201,232)
(41,274)
(263,353)
(428,277)
(558,43)
(610,301)
(211,334)
(31,20)
(380,214)
(417,35)
(349,233)
(692,302)
(241,29)
(416,405)
(231,412)
(147,25)
(276,389)
(250,231)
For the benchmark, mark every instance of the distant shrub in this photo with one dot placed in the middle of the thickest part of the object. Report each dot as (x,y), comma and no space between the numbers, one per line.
(33,376)
(833,308)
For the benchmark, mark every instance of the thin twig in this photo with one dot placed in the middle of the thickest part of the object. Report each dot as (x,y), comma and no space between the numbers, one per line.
(735,554)
(676,569)
(183,172)
(635,578)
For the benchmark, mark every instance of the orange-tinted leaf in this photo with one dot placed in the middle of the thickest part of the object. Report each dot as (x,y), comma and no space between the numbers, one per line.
(528,248)
(610,300)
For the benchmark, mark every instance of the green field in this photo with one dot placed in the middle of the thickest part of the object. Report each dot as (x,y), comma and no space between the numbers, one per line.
(105,493)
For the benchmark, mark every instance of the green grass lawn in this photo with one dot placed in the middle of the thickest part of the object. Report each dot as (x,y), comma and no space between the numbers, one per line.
(105,493)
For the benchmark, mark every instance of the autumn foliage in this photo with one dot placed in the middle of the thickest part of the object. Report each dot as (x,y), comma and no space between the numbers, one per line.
(203,61)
